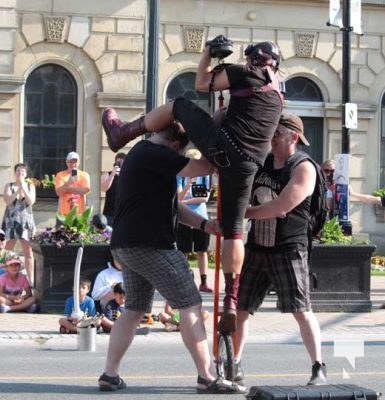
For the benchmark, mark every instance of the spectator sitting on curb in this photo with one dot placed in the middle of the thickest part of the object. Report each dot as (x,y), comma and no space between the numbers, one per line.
(99,222)
(103,290)
(114,307)
(86,305)
(170,318)
(105,282)
(15,290)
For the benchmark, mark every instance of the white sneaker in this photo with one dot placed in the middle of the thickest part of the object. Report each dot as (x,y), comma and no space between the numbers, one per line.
(4,308)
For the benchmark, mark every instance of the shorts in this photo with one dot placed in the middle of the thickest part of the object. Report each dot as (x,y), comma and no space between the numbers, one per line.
(189,239)
(288,272)
(236,170)
(146,269)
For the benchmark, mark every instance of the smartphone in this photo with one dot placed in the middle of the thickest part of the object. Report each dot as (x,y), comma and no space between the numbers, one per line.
(330,178)
(74,172)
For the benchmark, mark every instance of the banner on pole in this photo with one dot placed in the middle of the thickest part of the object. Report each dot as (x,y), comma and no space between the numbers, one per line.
(341,193)
(335,14)
(355,16)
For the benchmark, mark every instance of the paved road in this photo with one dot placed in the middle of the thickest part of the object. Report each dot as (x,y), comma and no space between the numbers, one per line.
(36,361)
(159,368)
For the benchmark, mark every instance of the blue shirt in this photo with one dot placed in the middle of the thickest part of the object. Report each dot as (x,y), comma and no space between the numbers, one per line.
(87,306)
(113,310)
(199,208)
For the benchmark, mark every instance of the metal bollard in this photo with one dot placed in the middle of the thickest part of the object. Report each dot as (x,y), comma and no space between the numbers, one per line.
(87,338)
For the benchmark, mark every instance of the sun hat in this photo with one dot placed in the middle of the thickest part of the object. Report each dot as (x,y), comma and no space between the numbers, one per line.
(12,258)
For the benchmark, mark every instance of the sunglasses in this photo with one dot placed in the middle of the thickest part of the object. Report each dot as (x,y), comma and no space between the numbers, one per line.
(327,171)
(2,238)
(281,131)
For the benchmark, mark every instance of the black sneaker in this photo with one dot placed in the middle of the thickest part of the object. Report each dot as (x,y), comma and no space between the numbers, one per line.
(110,383)
(318,374)
(239,376)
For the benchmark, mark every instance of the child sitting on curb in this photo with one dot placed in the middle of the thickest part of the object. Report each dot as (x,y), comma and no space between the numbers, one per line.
(113,308)
(15,290)
(86,304)
(171,320)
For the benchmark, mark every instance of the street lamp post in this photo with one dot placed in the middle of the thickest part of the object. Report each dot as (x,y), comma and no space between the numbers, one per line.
(346,29)
(346,225)
(152,56)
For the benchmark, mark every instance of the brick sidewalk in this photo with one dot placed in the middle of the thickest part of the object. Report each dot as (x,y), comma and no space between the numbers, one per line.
(269,325)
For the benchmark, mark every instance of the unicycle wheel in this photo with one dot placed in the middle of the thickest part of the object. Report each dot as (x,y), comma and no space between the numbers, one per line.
(225,359)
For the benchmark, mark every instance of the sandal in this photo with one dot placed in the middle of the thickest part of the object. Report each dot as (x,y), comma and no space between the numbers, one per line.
(219,386)
(110,383)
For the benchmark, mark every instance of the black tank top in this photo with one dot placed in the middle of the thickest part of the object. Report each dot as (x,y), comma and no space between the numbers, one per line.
(277,234)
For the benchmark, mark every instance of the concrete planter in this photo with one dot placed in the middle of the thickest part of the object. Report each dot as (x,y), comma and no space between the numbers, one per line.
(46,193)
(343,278)
(55,267)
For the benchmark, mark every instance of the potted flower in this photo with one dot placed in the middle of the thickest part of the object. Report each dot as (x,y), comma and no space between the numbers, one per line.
(45,187)
(340,267)
(55,252)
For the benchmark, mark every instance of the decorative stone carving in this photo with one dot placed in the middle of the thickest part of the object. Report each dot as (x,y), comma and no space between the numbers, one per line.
(304,44)
(193,38)
(55,28)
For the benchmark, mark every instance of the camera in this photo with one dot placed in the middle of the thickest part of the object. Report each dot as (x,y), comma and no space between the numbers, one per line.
(220,47)
(330,177)
(198,190)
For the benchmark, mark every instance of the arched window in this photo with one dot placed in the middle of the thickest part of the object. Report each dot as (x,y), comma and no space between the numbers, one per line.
(304,90)
(184,85)
(50,119)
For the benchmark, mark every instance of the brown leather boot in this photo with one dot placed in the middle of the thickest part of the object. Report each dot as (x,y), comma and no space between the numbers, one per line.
(228,321)
(119,133)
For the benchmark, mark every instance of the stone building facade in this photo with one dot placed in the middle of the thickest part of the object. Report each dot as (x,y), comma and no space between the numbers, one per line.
(103,47)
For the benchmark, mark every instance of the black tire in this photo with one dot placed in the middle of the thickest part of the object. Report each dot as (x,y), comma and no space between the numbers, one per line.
(225,359)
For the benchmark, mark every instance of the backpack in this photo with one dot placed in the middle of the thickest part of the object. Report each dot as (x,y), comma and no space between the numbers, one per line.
(318,204)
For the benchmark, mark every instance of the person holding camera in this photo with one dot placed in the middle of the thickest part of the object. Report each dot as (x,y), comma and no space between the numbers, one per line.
(329,169)
(71,186)
(109,185)
(195,193)
(237,146)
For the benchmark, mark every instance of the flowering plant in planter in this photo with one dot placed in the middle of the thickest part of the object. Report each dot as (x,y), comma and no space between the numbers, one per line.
(48,182)
(332,233)
(379,192)
(74,229)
